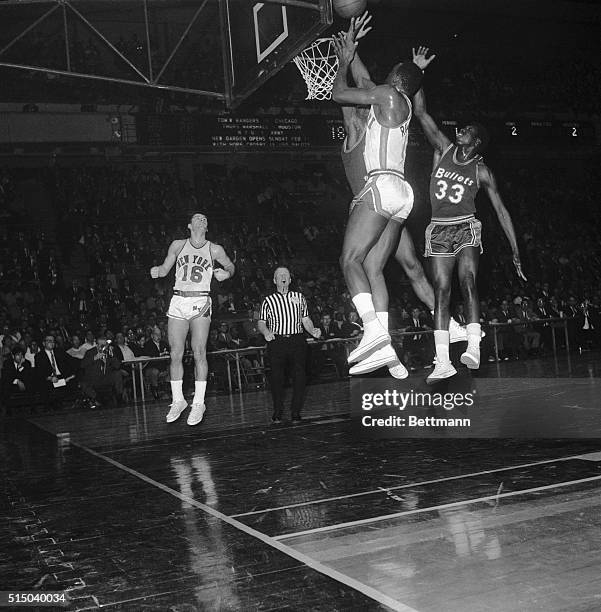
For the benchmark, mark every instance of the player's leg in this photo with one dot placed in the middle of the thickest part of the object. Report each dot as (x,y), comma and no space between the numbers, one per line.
(407,258)
(375,261)
(364,229)
(374,268)
(467,270)
(199,332)
(177,330)
(442,275)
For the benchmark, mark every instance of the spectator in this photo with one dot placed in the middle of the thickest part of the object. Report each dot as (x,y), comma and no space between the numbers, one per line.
(155,347)
(17,375)
(101,379)
(54,372)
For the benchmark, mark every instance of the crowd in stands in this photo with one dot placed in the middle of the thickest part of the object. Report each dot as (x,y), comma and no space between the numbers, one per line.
(254,216)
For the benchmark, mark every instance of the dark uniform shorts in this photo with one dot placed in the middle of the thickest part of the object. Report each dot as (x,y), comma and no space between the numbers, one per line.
(446,239)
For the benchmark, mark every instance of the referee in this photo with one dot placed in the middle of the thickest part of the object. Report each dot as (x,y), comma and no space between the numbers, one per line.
(283,316)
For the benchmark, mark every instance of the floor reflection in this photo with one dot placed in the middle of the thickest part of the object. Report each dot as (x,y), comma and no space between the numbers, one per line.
(207,550)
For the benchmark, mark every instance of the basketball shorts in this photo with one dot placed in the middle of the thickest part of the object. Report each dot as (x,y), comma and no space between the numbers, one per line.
(387,193)
(189,308)
(446,239)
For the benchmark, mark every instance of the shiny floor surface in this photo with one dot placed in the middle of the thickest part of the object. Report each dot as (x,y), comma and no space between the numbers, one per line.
(126,512)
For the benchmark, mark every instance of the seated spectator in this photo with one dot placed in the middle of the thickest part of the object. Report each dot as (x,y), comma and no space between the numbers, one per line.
(418,348)
(352,326)
(17,375)
(236,341)
(32,350)
(217,364)
(588,327)
(155,347)
(223,336)
(54,373)
(530,337)
(338,324)
(101,377)
(88,341)
(334,351)
(77,350)
(125,353)
(507,337)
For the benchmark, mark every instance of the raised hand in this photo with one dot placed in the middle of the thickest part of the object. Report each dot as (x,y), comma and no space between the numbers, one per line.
(419,57)
(518,268)
(358,28)
(345,49)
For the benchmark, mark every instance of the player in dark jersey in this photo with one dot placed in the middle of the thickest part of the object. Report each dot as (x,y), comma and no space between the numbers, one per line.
(355,123)
(453,236)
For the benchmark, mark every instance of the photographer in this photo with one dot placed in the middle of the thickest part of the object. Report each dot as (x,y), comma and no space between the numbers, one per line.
(101,376)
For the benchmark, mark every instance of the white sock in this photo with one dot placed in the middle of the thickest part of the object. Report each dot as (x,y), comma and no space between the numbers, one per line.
(365,307)
(383,318)
(474,334)
(200,386)
(441,341)
(176,390)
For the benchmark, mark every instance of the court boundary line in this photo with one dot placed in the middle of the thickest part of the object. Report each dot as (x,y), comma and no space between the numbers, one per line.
(385,517)
(409,485)
(317,566)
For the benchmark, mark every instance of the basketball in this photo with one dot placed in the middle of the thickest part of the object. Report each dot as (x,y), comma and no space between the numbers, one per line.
(349,8)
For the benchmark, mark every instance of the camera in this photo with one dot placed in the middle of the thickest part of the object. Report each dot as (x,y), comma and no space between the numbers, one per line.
(106,350)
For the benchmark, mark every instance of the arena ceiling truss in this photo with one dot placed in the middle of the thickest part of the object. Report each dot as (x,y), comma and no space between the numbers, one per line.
(174,45)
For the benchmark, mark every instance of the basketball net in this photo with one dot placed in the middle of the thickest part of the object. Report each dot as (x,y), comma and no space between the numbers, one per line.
(318,65)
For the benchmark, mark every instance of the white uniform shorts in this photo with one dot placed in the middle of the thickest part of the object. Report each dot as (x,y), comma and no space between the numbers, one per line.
(387,193)
(188,308)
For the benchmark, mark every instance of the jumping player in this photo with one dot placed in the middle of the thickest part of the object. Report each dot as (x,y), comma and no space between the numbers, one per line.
(386,197)
(355,123)
(454,235)
(190,310)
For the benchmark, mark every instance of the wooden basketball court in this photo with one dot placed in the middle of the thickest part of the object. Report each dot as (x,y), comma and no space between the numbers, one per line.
(126,512)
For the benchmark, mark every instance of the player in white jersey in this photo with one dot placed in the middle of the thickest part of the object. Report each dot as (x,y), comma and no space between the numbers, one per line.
(190,310)
(355,124)
(385,201)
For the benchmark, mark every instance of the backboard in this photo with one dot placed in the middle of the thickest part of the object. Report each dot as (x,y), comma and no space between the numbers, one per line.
(261,37)
(222,49)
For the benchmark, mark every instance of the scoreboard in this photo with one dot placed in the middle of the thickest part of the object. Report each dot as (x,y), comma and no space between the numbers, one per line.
(293,132)
(529,132)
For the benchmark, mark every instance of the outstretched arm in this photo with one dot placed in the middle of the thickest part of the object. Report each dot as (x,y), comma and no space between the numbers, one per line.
(341,92)
(162,270)
(433,133)
(357,30)
(435,137)
(487,179)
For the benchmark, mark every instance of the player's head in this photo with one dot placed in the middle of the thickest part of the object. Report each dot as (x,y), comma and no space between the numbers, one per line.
(474,135)
(198,223)
(406,78)
(281,278)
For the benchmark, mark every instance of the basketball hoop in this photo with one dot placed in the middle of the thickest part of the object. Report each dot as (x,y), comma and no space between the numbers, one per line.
(318,65)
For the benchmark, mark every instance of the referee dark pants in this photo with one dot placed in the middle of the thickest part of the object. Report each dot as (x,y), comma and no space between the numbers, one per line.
(283,350)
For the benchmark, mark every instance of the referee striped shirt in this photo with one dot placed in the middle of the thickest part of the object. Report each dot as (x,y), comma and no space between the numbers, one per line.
(284,312)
